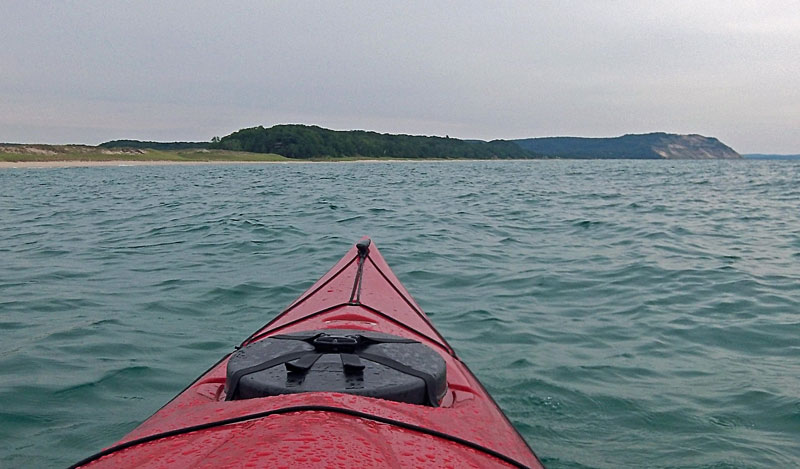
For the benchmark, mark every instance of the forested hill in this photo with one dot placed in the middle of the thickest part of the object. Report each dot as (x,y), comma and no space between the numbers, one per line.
(657,145)
(303,141)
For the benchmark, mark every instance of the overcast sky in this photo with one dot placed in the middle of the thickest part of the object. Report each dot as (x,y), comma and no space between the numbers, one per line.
(96,70)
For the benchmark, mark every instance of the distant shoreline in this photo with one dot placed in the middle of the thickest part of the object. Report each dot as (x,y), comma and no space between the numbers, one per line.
(77,156)
(122,163)
(88,164)
(294,142)
(44,164)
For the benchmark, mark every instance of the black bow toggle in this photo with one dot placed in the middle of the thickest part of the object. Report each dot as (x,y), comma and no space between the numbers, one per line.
(323,344)
(347,346)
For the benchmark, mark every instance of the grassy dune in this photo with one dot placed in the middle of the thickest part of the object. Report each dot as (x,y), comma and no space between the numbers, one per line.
(40,153)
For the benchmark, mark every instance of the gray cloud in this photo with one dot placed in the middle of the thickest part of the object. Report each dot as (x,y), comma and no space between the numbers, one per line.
(89,71)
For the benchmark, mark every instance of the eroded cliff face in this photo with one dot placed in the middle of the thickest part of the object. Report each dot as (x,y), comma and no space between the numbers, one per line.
(658,145)
(692,147)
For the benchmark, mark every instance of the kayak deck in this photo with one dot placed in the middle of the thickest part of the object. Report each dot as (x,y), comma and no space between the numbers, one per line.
(200,428)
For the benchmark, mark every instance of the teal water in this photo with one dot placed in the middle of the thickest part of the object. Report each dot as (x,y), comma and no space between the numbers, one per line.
(622,313)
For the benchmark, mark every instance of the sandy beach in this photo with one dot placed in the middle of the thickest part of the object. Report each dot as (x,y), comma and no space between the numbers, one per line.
(87,163)
(81,164)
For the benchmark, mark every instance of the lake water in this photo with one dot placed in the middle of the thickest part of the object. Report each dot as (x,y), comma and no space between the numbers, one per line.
(622,313)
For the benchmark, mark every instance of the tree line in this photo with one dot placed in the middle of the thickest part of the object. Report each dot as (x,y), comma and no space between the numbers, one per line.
(305,141)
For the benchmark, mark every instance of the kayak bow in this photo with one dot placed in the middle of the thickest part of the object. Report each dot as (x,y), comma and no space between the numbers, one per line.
(351,374)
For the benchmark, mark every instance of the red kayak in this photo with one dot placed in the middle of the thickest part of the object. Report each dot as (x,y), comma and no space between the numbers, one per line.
(352,374)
